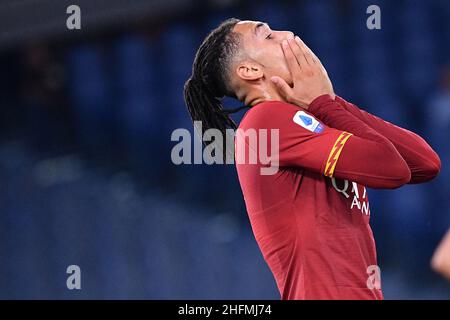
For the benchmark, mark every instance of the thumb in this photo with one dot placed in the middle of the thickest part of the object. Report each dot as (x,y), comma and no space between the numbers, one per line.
(283,87)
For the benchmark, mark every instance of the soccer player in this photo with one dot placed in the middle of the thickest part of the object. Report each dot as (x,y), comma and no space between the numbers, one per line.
(311,218)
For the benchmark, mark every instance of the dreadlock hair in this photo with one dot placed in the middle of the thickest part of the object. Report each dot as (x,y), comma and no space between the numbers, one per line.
(209,82)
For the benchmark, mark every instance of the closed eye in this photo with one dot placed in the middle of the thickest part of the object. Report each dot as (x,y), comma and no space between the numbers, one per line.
(269,36)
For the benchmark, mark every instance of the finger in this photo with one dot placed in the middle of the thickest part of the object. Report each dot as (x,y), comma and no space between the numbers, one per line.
(298,52)
(309,55)
(291,60)
(307,50)
(313,55)
(283,88)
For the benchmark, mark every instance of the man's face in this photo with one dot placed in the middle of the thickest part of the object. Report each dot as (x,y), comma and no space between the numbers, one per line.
(263,45)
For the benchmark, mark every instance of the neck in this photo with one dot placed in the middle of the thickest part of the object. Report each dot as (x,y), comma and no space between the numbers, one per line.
(262,94)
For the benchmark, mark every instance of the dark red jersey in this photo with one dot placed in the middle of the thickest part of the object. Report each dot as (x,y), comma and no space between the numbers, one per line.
(311,217)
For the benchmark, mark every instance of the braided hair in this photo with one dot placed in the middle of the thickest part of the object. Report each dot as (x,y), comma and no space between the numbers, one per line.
(209,82)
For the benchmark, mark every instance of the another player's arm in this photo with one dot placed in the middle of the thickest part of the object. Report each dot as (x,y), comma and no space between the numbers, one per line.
(422,160)
(441,257)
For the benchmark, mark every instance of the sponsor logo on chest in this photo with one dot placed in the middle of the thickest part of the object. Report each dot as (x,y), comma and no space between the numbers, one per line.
(352,191)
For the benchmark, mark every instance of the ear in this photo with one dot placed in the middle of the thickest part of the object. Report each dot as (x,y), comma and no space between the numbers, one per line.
(248,70)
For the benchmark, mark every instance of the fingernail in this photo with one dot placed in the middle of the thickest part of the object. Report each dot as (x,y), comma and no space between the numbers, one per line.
(298,39)
(274,80)
(290,37)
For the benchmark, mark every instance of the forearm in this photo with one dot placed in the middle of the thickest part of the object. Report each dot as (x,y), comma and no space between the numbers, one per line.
(422,160)
(330,112)
(368,158)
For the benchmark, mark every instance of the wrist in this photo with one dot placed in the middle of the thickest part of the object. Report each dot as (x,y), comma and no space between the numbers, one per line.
(320,100)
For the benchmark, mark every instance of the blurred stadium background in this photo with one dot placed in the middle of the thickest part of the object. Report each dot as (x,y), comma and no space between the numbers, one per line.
(85,124)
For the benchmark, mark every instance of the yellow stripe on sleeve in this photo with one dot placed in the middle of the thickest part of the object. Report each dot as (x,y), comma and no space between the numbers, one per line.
(335,153)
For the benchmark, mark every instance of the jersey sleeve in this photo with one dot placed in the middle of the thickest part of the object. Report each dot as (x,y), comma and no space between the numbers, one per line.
(327,139)
(423,161)
(304,141)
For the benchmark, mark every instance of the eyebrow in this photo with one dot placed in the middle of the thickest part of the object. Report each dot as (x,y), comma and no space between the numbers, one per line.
(258,26)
